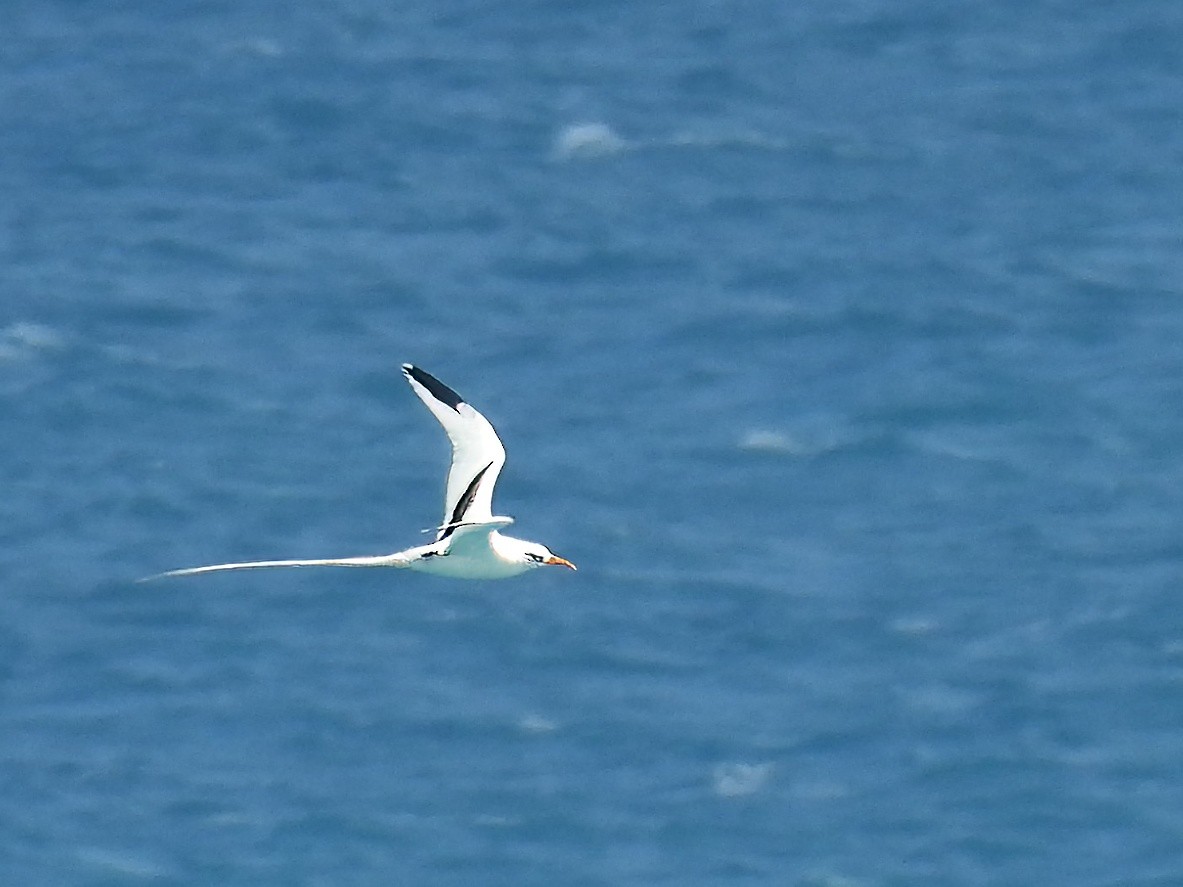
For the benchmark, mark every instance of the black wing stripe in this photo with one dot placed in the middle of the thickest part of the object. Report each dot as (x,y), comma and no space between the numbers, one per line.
(463,502)
(438,389)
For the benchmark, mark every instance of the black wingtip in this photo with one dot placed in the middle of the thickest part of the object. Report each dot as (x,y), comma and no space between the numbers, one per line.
(438,389)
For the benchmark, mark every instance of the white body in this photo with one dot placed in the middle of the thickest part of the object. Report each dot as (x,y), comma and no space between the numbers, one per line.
(477,552)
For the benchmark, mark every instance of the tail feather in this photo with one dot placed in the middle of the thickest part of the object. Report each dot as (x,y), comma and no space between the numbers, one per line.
(383,560)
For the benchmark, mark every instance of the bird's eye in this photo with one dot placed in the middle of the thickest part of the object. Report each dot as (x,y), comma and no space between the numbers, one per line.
(537,558)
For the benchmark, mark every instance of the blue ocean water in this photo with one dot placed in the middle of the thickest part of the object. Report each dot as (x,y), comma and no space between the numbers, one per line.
(839,344)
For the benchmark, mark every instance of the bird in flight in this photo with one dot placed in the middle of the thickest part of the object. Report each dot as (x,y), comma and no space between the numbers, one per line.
(468,544)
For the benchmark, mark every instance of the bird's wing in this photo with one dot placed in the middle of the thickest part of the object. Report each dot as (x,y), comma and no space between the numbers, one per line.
(477,453)
(385,560)
(473,537)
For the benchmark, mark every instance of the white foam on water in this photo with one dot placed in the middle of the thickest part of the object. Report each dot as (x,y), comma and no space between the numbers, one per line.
(759,440)
(584,141)
(737,780)
(813,437)
(536,723)
(592,139)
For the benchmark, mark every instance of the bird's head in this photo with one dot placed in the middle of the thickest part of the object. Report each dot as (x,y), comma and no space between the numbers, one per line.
(539,555)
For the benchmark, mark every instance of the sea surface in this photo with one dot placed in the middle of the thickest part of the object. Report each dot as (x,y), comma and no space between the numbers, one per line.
(840,344)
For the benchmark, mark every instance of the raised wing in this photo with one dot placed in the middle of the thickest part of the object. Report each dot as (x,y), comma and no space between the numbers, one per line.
(477,453)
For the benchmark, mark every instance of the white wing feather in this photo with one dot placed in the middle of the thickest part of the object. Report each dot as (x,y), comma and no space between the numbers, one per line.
(477,452)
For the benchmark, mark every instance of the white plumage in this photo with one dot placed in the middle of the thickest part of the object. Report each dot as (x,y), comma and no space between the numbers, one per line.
(468,544)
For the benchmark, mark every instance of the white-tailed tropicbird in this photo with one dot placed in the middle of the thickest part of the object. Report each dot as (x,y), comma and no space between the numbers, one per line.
(468,545)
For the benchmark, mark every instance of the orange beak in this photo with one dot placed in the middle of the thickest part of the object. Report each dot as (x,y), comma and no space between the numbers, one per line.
(557,561)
